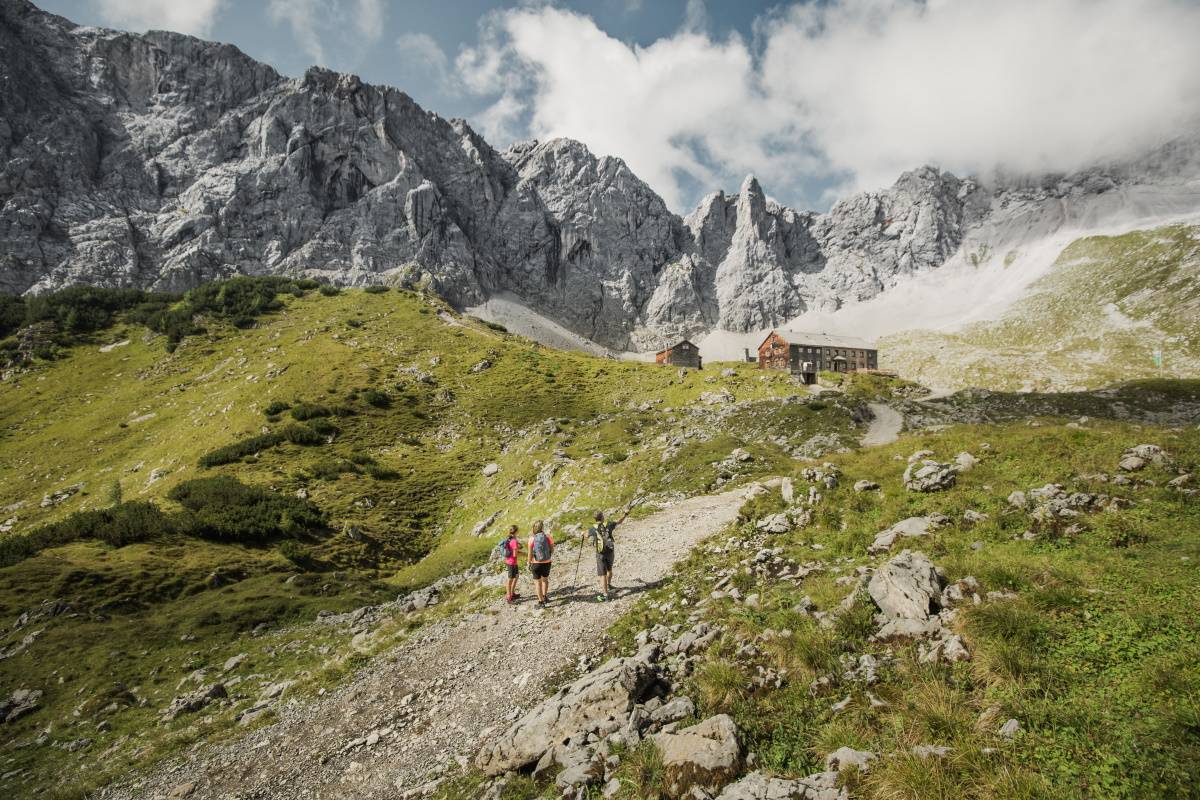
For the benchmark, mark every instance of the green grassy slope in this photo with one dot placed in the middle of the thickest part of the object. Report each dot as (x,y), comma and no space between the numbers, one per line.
(1094,656)
(1094,319)
(398,477)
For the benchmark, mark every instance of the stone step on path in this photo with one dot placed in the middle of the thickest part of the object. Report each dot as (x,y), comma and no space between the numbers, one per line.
(434,700)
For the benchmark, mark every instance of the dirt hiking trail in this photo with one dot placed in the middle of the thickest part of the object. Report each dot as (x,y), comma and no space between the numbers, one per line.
(886,423)
(436,698)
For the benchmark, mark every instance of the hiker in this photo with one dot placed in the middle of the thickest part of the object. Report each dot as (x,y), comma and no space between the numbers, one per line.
(541,553)
(601,536)
(508,549)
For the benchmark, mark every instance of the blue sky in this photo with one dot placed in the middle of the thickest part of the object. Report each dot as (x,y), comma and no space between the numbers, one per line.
(818,98)
(451,24)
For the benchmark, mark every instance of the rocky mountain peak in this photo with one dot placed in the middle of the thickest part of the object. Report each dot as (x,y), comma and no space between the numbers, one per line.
(162,161)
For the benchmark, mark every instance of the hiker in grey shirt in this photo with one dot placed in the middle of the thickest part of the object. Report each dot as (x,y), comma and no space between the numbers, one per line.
(600,536)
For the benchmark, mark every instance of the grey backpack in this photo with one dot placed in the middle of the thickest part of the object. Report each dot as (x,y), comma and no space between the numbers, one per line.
(541,547)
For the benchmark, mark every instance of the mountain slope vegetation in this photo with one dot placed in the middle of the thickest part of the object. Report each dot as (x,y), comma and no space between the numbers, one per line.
(169,505)
(1095,319)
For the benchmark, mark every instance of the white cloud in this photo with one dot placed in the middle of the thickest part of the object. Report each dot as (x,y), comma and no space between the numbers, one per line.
(1027,85)
(683,106)
(850,91)
(311,20)
(195,17)
(422,54)
(369,19)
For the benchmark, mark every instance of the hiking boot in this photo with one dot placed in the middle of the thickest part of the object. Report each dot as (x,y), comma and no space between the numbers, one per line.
(510,599)
(601,598)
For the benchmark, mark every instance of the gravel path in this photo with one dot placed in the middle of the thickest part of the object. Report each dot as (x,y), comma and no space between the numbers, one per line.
(885,425)
(438,697)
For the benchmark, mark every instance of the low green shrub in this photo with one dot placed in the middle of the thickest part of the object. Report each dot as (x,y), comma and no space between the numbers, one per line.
(381,473)
(300,434)
(375,289)
(276,407)
(118,526)
(322,426)
(226,509)
(306,411)
(376,398)
(329,291)
(330,469)
(239,450)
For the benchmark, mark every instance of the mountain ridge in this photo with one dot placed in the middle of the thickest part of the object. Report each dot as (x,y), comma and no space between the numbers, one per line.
(163,161)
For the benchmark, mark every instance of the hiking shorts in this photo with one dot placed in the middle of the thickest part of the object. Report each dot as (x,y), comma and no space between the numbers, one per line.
(604,562)
(514,571)
(540,570)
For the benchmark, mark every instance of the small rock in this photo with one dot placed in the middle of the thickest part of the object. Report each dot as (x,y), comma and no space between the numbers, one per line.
(927,751)
(846,757)
(865,486)
(1009,729)
(490,469)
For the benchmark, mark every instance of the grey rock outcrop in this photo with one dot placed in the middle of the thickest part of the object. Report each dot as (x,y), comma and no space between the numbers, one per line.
(605,693)
(911,527)
(706,755)
(908,586)
(20,703)
(758,786)
(162,161)
(929,476)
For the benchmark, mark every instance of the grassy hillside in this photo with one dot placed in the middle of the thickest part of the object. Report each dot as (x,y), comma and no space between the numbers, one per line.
(1091,648)
(358,424)
(1095,319)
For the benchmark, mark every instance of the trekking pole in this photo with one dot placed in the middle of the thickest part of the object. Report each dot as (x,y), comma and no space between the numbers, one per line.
(575,577)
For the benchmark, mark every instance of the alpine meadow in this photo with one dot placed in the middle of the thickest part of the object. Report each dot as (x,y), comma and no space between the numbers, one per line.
(352,451)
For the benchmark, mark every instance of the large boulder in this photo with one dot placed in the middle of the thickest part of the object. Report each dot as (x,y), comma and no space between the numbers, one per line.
(706,755)
(908,587)
(193,702)
(929,476)
(608,692)
(757,786)
(1140,456)
(20,703)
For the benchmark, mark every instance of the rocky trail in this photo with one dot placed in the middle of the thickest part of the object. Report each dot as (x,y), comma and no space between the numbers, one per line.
(885,427)
(415,711)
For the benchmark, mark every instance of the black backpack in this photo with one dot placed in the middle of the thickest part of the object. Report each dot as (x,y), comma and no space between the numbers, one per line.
(602,536)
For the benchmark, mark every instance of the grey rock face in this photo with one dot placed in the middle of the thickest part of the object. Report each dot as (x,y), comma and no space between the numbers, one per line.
(20,703)
(606,693)
(757,786)
(929,476)
(706,755)
(908,586)
(911,527)
(162,161)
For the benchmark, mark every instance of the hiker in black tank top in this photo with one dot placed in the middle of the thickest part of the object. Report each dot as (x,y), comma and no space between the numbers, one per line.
(600,537)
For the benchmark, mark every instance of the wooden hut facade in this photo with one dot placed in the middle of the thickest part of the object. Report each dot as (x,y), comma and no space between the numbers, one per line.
(806,354)
(683,354)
